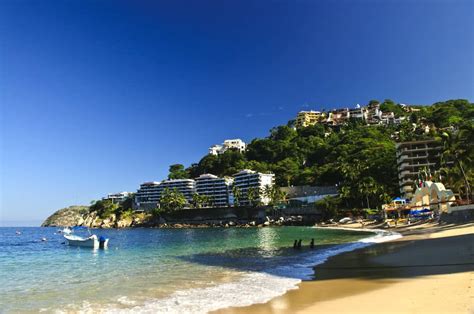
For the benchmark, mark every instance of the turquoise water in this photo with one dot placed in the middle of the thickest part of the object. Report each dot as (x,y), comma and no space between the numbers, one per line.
(159,270)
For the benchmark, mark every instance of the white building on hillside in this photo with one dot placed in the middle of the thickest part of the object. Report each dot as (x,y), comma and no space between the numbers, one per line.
(117,197)
(246,179)
(185,186)
(236,144)
(219,190)
(149,194)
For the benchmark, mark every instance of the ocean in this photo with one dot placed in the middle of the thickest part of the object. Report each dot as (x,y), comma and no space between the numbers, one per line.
(162,270)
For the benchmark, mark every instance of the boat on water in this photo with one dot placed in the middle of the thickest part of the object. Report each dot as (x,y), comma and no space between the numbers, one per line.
(90,241)
(66,230)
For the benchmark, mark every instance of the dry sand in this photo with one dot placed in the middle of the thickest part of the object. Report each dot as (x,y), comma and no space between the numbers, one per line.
(429,270)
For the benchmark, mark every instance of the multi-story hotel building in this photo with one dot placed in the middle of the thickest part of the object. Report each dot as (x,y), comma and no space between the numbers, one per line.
(185,186)
(149,194)
(236,144)
(413,158)
(246,179)
(307,118)
(219,190)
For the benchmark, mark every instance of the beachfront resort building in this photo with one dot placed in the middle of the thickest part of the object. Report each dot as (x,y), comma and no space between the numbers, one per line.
(415,159)
(149,194)
(117,197)
(235,144)
(219,190)
(307,118)
(186,186)
(249,179)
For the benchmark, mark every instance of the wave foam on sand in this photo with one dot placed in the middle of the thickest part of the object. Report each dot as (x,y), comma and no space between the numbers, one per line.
(252,287)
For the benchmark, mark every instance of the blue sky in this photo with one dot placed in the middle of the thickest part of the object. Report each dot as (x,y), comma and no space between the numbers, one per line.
(100,96)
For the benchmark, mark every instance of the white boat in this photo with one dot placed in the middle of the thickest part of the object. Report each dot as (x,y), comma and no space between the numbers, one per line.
(66,230)
(91,241)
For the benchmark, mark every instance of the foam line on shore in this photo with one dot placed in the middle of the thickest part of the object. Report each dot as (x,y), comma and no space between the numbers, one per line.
(253,287)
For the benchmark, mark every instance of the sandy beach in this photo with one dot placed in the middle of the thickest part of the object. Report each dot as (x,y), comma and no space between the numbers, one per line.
(429,270)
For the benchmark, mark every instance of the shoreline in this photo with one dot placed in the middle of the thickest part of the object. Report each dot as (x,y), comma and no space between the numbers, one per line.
(388,274)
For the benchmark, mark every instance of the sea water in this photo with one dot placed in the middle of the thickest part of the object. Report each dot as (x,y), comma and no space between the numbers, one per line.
(161,270)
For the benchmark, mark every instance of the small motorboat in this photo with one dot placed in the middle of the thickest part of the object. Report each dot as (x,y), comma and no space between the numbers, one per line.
(66,230)
(90,241)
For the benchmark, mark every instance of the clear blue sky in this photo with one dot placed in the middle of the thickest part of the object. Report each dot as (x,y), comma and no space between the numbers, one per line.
(100,96)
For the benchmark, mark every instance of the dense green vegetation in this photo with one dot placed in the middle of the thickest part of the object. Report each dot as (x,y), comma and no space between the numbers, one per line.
(359,159)
(107,207)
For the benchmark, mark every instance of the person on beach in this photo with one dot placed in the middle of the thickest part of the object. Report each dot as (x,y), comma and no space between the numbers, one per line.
(311,244)
(299,244)
(295,244)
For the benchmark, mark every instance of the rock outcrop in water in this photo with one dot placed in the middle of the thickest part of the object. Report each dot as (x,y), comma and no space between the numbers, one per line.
(192,218)
(82,216)
(69,216)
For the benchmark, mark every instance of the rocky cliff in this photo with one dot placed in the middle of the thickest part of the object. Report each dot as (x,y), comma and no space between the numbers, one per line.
(66,217)
(211,217)
(82,216)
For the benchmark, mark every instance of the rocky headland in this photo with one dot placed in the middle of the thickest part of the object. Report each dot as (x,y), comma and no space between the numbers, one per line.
(195,218)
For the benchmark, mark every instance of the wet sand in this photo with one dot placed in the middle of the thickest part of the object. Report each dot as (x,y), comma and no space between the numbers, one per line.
(429,270)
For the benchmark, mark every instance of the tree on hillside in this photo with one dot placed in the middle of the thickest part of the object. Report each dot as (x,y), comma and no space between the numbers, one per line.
(287,170)
(450,113)
(226,164)
(373,102)
(390,106)
(104,208)
(282,133)
(458,150)
(177,171)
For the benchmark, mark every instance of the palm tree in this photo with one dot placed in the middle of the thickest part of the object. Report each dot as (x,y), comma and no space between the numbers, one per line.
(198,200)
(253,196)
(368,187)
(268,192)
(274,193)
(458,150)
(172,200)
(237,195)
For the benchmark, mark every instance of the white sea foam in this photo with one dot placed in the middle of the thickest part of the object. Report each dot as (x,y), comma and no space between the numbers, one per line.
(252,287)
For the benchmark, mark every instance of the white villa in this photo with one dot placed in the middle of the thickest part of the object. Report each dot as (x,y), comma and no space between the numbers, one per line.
(236,144)
(117,197)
